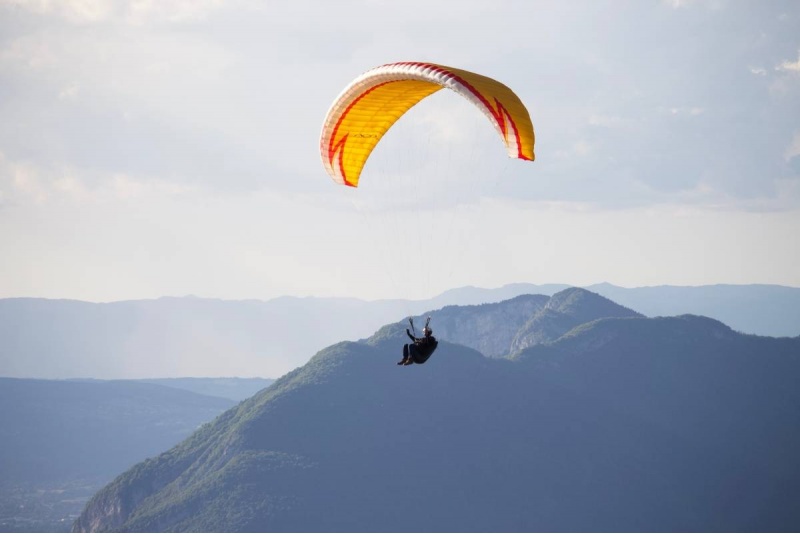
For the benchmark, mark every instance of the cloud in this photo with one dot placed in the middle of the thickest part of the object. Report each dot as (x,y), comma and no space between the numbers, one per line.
(175,11)
(70,91)
(25,183)
(76,11)
(784,81)
(133,12)
(609,121)
(710,4)
(28,52)
(122,186)
(22,181)
(237,106)
(687,111)
(580,149)
(141,105)
(790,66)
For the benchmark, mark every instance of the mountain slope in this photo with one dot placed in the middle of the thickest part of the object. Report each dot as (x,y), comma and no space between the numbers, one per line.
(624,424)
(487,328)
(564,311)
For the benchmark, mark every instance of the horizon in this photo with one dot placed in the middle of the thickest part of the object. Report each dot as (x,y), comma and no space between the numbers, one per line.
(196,337)
(421,299)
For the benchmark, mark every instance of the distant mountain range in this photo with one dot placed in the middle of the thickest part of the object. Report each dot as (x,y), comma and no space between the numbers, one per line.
(236,389)
(59,429)
(62,440)
(189,336)
(588,418)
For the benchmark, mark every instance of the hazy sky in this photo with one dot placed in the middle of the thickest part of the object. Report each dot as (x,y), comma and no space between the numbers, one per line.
(161,147)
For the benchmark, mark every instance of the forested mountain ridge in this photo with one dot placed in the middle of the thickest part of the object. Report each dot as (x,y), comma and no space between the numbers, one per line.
(624,424)
(563,312)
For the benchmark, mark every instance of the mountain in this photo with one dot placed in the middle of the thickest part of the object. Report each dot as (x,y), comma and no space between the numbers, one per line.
(470,296)
(190,336)
(767,310)
(232,388)
(53,430)
(621,424)
(563,312)
(487,328)
(64,440)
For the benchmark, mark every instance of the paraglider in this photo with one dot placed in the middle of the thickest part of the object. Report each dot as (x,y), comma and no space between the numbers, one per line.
(422,347)
(368,107)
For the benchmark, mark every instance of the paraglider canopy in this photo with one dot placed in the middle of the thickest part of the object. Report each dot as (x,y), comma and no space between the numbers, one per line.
(374,101)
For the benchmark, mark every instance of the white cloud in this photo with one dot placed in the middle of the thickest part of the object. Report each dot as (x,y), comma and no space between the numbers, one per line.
(692,111)
(607,121)
(582,148)
(175,11)
(123,186)
(77,11)
(183,80)
(29,52)
(758,71)
(133,12)
(790,66)
(714,5)
(24,183)
(70,91)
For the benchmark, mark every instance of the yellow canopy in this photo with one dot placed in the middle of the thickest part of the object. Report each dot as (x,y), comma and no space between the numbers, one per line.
(374,101)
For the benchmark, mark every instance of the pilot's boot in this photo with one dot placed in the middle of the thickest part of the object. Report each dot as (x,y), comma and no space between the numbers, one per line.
(405,355)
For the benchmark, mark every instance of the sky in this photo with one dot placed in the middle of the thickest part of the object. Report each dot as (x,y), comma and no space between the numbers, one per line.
(171,147)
